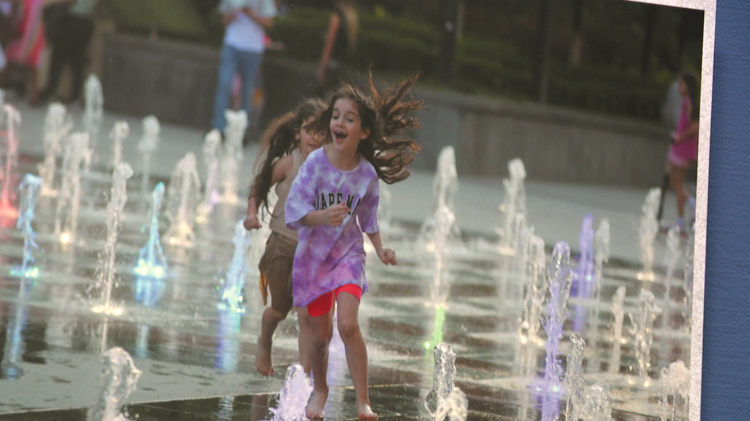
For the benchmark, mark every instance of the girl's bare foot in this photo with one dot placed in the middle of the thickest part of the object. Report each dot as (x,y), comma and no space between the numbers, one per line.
(365,412)
(263,358)
(316,406)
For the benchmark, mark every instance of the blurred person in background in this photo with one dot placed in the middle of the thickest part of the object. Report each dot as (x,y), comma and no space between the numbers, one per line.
(684,149)
(24,53)
(70,42)
(246,22)
(340,40)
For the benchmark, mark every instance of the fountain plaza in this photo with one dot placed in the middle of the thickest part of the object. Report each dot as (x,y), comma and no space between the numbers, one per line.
(534,335)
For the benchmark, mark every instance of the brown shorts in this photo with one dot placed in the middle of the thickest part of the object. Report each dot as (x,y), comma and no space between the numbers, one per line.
(276,272)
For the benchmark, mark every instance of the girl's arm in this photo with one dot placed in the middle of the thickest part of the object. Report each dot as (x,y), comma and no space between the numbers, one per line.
(333,26)
(689,133)
(386,255)
(281,170)
(333,216)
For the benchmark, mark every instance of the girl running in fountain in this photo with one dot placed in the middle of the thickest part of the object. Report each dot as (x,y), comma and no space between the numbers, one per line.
(286,145)
(333,200)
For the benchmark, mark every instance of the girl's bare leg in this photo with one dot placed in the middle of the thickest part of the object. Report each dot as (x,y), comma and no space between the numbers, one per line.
(356,352)
(304,339)
(321,332)
(269,321)
(677,177)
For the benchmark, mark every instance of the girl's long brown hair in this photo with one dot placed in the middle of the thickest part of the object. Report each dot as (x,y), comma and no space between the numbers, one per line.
(387,116)
(278,140)
(691,82)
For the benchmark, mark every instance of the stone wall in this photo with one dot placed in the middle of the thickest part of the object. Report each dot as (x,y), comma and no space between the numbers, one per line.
(176,82)
(555,144)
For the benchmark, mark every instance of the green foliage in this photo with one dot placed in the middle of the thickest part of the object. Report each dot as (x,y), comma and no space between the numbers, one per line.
(177,18)
(398,44)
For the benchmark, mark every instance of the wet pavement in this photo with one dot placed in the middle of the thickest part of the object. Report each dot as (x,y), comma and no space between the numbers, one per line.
(198,360)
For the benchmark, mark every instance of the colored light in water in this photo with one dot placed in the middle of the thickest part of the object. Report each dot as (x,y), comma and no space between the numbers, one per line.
(151,270)
(437,333)
(65,238)
(31,272)
(108,310)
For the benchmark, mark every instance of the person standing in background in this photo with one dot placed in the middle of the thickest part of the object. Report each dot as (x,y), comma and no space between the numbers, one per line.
(246,22)
(74,36)
(339,45)
(27,47)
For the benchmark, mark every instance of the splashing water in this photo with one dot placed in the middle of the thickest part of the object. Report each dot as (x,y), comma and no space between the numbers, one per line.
(513,204)
(211,152)
(14,336)
(151,260)
(618,311)
(119,380)
(444,221)
(559,278)
(585,271)
(94,112)
(119,133)
(534,291)
(597,403)
(442,229)
(445,183)
(55,130)
(12,119)
(442,226)
(583,282)
(235,132)
(671,259)
(458,405)
(513,291)
(437,330)
(77,152)
(233,285)
(688,284)
(574,384)
(146,147)
(119,198)
(643,335)
(675,382)
(385,207)
(228,346)
(647,231)
(521,245)
(442,382)
(30,188)
(601,256)
(184,193)
(294,395)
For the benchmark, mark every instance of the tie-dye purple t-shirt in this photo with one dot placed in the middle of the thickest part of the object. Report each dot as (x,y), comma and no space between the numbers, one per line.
(328,257)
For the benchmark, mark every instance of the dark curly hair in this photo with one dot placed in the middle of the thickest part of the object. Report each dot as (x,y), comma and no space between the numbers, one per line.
(387,148)
(278,140)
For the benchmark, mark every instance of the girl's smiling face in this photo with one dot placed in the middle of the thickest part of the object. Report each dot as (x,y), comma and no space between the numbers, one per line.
(308,142)
(346,126)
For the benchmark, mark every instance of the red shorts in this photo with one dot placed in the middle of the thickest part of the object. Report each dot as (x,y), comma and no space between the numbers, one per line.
(324,303)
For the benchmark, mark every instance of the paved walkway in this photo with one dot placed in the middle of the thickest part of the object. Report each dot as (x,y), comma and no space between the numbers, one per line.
(554,209)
